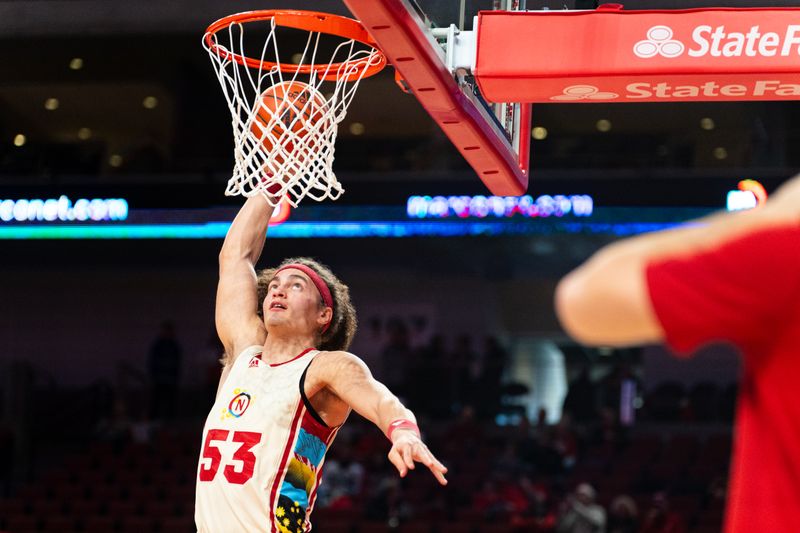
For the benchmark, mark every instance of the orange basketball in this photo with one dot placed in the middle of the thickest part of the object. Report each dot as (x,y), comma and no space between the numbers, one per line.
(286,114)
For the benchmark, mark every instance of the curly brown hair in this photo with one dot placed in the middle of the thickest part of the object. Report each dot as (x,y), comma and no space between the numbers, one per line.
(343,324)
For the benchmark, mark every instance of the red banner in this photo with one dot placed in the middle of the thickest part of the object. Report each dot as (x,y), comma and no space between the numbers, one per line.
(639,56)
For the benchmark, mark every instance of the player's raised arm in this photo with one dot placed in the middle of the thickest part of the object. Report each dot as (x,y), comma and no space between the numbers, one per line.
(606,301)
(237,320)
(346,376)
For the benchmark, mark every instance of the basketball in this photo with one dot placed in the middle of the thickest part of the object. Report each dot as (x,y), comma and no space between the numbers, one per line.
(286,114)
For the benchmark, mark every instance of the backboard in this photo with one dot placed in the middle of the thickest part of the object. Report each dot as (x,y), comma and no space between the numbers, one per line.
(432,46)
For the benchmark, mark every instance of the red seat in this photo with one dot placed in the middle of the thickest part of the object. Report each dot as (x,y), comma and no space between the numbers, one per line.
(34,492)
(98,524)
(177,524)
(469,514)
(373,527)
(333,526)
(22,523)
(416,526)
(123,508)
(59,523)
(456,527)
(183,494)
(137,524)
(84,508)
(159,509)
(144,494)
(69,491)
(47,507)
(12,506)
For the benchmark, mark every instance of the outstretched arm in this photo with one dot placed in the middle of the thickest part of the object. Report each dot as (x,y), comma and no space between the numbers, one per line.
(238,323)
(346,376)
(607,301)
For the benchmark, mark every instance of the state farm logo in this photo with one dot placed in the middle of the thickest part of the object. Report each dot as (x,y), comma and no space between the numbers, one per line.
(574,93)
(659,42)
(718,41)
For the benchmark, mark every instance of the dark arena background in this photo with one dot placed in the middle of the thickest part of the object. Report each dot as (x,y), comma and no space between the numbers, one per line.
(115,147)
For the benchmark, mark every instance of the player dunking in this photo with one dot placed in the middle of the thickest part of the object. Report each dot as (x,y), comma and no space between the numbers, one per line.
(732,277)
(286,388)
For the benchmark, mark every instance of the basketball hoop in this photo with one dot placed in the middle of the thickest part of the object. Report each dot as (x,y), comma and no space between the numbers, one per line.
(285,150)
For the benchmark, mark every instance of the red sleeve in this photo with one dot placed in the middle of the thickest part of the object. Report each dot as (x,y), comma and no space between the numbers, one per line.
(739,292)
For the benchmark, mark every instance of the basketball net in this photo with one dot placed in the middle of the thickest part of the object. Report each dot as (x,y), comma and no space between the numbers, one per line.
(274,155)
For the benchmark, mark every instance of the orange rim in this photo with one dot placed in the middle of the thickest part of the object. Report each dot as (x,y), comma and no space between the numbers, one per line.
(312,21)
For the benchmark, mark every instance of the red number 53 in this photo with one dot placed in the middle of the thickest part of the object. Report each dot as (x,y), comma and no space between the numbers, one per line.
(246,439)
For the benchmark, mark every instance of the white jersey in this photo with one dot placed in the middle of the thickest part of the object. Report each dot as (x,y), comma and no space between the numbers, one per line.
(263,450)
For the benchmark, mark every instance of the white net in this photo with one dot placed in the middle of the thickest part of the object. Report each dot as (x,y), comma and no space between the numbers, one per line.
(285,117)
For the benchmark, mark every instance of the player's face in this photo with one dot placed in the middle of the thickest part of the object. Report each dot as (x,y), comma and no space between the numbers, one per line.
(293,301)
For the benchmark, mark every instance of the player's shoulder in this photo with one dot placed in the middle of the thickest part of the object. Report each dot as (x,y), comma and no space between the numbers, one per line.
(334,356)
(331,362)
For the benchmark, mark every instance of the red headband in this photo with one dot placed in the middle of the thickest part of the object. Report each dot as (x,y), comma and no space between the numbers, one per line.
(321,286)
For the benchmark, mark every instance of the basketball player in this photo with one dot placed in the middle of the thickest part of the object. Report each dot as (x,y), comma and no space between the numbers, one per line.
(286,388)
(731,277)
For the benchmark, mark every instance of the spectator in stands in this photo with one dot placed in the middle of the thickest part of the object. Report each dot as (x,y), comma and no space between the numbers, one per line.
(164,368)
(209,363)
(500,498)
(494,361)
(344,478)
(659,518)
(465,435)
(580,513)
(468,366)
(623,515)
(732,277)
(387,503)
(398,355)
(431,391)
(565,442)
(115,428)
(581,400)
(420,334)
(7,451)
(369,343)
(539,516)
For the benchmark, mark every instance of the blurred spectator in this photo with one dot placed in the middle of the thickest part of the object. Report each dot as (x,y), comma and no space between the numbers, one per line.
(6,458)
(717,491)
(115,428)
(142,429)
(209,364)
(386,503)
(420,333)
(164,366)
(500,499)
(552,450)
(580,513)
(465,434)
(611,387)
(468,366)
(369,344)
(581,399)
(659,518)
(566,443)
(430,393)
(344,478)
(623,515)
(397,358)
(539,517)
(494,361)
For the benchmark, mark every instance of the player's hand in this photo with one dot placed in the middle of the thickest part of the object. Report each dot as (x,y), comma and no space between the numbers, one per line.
(407,449)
